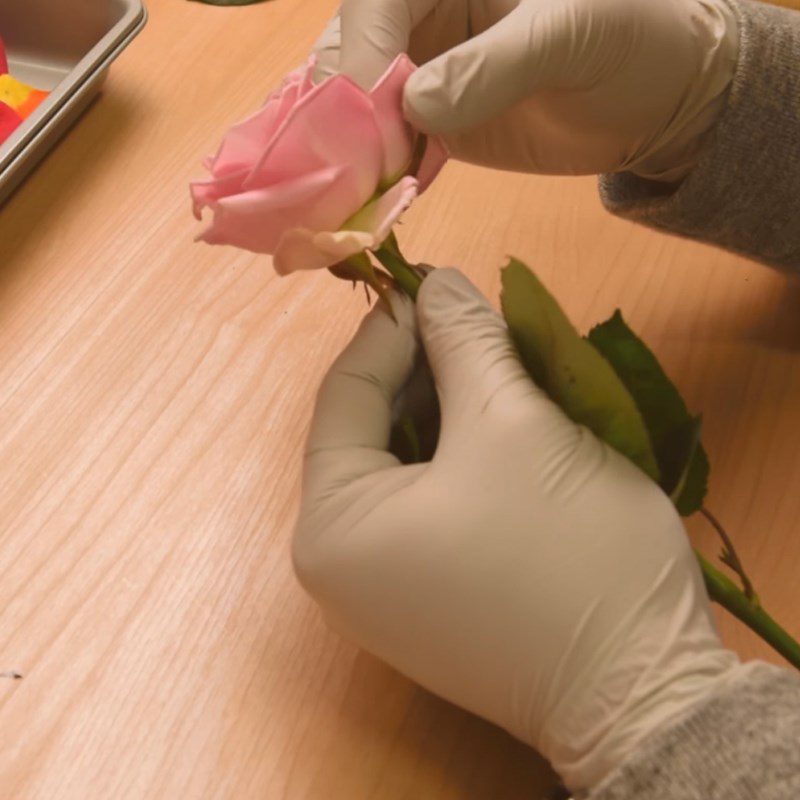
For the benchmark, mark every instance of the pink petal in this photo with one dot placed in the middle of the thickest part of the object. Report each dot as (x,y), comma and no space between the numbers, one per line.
(397,135)
(333,125)
(433,160)
(301,77)
(245,142)
(302,249)
(305,75)
(378,217)
(256,219)
(204,193)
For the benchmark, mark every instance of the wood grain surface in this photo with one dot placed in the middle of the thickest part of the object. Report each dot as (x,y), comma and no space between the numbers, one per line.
(154,396)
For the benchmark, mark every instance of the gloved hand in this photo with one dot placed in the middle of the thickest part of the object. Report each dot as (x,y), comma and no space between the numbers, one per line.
(528,573)
(551,86)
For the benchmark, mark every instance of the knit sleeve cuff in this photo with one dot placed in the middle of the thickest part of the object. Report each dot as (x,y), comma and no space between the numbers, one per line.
(744,192)
(741,743)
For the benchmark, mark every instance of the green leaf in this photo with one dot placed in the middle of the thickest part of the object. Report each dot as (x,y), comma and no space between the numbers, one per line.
(690,493)
(675,434)
(569,368)
(229,2)
(404,440)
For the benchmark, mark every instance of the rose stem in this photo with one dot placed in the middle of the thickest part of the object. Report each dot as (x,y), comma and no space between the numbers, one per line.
(724,591)
(408,279)
(729,555)
(409,430)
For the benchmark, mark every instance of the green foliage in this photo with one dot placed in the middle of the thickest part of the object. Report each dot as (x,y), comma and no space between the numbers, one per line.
(674,433)
(692,492)
(612,383)
(570,369)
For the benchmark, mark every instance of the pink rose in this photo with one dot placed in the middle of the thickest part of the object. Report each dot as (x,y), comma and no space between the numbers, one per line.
(319,173)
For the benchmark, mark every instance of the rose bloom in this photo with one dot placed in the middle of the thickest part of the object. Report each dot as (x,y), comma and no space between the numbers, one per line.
(319,173)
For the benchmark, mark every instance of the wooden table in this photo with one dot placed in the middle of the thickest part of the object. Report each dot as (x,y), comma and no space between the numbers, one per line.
(154,396)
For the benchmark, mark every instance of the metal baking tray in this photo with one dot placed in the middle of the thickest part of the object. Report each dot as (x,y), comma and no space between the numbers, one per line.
(65,47)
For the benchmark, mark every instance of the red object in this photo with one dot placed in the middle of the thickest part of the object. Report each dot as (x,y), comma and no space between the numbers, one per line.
(3,59)
(9,120)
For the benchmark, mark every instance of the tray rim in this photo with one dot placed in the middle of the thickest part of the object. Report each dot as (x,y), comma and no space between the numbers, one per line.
(95,61)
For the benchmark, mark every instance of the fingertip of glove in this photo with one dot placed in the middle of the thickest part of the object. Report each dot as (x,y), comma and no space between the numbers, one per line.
(423,103)
(447,95)
(439,281)
(446,289)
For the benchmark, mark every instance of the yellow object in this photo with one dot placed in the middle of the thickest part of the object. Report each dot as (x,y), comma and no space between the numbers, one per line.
(22,98)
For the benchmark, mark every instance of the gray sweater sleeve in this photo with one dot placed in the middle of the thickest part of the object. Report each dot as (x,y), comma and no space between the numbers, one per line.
(744,193)
(740,744)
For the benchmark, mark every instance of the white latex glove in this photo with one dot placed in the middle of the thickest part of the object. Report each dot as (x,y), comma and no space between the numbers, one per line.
(528,573)
(551,86)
